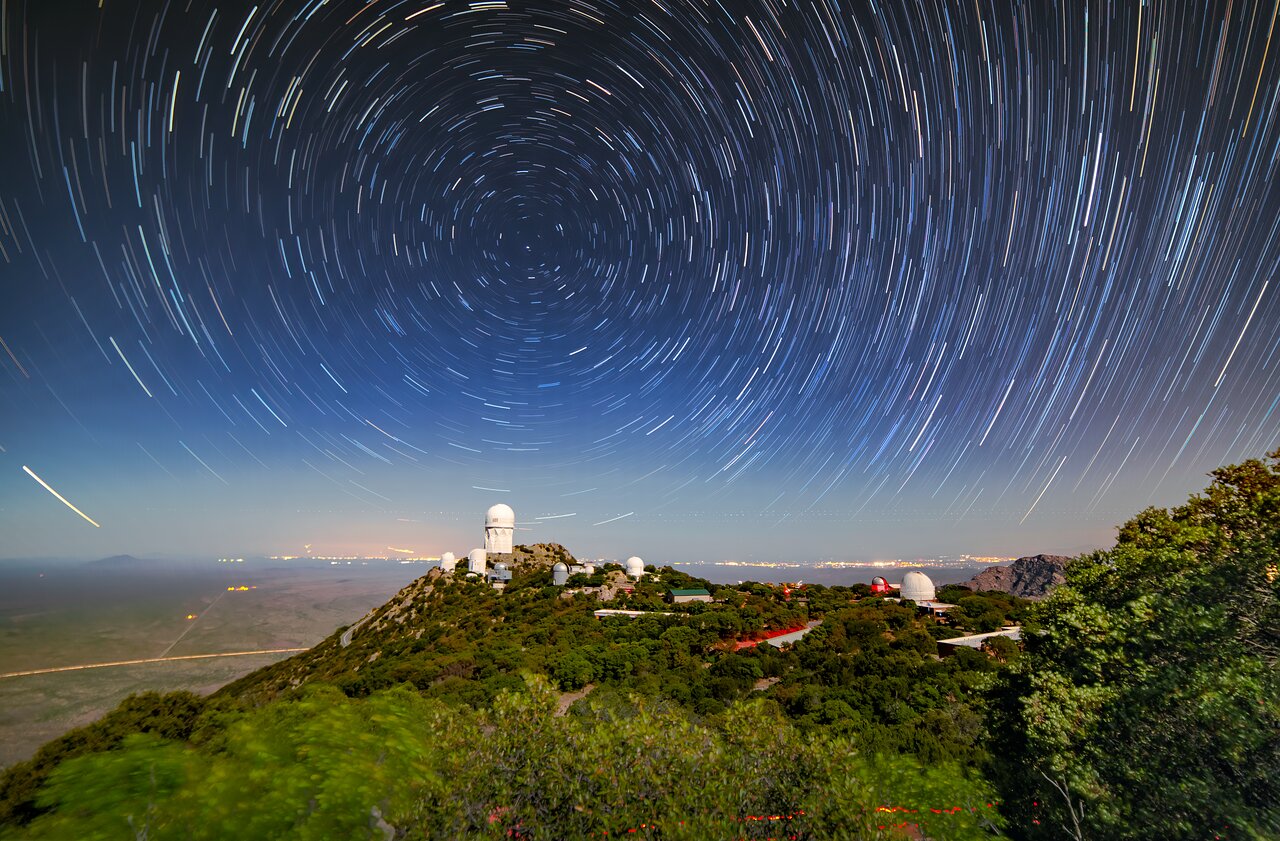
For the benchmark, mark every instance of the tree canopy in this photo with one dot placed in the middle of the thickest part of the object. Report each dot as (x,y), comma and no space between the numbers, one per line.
(1148,703)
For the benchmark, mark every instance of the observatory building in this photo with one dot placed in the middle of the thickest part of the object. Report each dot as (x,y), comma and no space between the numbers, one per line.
(917,587)
(559,574)
(499,576)
(879,585)
(634,567)
(499,527)
(478,560)
(448,562)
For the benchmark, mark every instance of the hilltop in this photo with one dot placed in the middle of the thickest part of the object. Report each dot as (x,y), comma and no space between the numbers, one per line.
(390,644)
(1032,577)
(537,556)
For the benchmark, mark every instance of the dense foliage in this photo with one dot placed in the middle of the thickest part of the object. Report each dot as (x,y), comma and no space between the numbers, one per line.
(397,764)
(1148,705)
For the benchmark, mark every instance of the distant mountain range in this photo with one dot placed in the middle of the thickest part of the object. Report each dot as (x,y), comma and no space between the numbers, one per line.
(1032,577)
(125,562)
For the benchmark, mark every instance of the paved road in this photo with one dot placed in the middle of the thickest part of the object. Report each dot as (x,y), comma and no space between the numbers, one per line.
(192,624)
(150,660)
(345,639)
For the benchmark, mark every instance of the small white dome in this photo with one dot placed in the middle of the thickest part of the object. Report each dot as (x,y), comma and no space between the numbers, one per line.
(634,567)
(917,587)
(500,516)
(559,574)
(448,562)
(477,560)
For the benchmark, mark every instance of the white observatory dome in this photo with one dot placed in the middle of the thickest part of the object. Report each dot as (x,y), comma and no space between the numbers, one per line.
(559,574)
(918,587)
(448,562)
(500,516)
(477,561)
(634,567)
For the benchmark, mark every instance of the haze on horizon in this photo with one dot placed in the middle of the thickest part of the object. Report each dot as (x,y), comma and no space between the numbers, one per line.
(750,280)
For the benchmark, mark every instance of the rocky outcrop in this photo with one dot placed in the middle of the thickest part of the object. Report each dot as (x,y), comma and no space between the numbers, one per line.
(1027,578)
(536,556)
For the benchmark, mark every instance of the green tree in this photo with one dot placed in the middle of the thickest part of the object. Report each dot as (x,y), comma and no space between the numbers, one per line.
(572,670)
(1148,705)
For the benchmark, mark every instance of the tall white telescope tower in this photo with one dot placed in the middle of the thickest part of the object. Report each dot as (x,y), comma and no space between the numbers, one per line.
(499,527)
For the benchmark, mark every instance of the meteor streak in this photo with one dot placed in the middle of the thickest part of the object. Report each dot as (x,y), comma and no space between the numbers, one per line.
(60,497)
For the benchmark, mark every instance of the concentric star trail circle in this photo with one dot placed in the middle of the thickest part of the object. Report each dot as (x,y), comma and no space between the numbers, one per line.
(782,256)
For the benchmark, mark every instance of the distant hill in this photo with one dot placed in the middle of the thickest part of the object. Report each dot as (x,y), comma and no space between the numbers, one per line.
(121,561)
(129,562)
(1032,577)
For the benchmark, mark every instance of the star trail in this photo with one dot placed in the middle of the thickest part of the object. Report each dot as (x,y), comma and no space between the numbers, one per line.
(720,278)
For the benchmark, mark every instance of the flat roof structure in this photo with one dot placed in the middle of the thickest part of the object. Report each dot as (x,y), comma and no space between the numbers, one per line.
(606,612)
(766,636)
(976,640)
(931,606)
(692,594)
(787,639)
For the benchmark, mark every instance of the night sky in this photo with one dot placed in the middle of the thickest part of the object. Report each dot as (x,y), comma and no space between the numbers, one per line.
(680,278)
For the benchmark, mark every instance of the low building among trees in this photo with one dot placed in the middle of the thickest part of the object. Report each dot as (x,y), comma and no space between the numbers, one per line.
(692,594)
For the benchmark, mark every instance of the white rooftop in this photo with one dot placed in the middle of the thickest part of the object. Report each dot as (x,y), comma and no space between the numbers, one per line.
(976,640)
